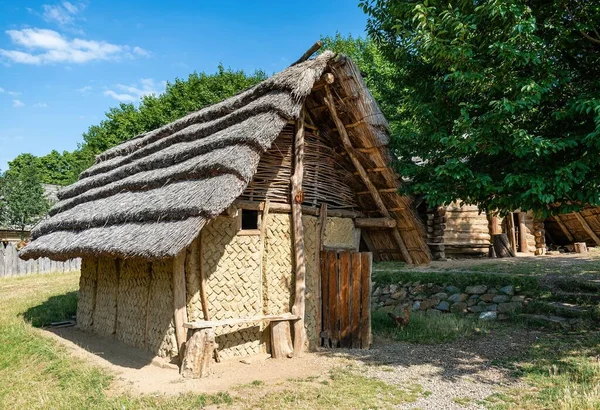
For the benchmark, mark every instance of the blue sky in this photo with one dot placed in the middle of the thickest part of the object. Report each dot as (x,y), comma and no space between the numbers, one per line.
(63,64)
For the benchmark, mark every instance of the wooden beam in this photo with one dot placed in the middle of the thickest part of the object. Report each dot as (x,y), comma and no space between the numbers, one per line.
(204,324)
(287,208)
(179,300)
(587,228)
(563,228)
(328,100)
(381,223)
(298,237)
(313,49)
(385,191)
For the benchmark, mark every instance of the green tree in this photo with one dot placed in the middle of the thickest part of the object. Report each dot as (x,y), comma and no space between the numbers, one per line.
(497,101)
(22,200)
(126,121)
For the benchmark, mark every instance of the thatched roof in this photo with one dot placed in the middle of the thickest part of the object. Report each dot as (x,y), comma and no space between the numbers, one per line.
(150,197)
(565,229)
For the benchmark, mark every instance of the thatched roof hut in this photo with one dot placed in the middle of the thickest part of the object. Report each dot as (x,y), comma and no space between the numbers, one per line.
(235,203)
(151,196)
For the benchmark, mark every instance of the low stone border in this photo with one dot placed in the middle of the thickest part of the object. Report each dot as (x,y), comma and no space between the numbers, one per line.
(487,302)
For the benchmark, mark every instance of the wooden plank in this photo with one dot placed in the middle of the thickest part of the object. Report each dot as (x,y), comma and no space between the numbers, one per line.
(365,300)
(363,174)
(563,228)
(333,299)
(587,228)
(325,327)
(203,324)
(522,232)
(299,306)
(344,306)
(355,298)
(179,300)
(510,224)
(276,207)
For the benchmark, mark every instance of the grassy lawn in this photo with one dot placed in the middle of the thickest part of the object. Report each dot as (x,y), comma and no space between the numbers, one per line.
(429,328)
(38,373)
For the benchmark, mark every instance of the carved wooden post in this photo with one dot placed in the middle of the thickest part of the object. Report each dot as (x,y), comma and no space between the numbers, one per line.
(298,237)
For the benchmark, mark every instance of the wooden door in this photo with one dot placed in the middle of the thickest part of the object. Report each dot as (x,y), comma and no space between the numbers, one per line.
(346,299)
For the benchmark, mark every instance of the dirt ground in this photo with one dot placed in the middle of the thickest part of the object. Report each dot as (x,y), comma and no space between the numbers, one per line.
(138,372)
(460,370)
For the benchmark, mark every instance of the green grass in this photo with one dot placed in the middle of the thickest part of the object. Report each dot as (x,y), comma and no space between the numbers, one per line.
(37,372)
(429,328)
(562,371)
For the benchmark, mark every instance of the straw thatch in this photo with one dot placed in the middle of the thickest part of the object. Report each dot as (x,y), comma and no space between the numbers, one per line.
(150,197)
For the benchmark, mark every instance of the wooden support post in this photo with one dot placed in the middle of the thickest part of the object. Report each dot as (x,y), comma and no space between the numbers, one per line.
(179,300)
(298,237)
(587,228)
(198,354)
(281,341)
(510,225)
(522,233)
(363,174)
(563,228)
(321,225)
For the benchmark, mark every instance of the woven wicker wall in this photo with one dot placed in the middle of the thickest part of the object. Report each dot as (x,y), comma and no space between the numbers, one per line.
(278,285)
(339,233)
(312,256)
(232,267)
(160,338)
(87,293)
(132,302)
(106,297)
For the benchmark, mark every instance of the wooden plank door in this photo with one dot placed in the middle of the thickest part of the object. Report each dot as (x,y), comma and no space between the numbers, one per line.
(346,299)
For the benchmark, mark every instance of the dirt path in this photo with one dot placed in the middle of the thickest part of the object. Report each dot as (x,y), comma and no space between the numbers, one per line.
(137,372)
(455,375)
(459,371)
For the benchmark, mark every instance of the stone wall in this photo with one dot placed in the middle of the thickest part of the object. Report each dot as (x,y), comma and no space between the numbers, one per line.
(486,302)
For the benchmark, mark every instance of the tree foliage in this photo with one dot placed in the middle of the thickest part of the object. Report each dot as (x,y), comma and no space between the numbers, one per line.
(497,102)
(181,97)
(22,200)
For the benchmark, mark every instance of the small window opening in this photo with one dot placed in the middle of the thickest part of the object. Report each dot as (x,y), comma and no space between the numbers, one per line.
(249,219)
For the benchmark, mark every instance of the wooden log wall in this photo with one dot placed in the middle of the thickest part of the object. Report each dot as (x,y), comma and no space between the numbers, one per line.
(12,265)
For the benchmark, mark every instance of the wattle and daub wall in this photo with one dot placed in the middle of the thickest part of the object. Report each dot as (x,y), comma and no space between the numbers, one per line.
(132,300)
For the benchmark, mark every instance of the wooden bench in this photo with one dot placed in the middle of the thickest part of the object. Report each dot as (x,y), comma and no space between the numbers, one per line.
(201,344)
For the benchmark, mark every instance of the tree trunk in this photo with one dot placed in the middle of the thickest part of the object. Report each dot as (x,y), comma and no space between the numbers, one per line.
(502,246)
(198,354)
(580,247)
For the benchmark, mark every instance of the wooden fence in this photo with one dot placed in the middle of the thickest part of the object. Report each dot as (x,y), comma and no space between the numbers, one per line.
(12,265)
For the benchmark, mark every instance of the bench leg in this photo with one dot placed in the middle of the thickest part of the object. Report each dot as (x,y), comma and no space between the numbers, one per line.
(198,354)
(281,340)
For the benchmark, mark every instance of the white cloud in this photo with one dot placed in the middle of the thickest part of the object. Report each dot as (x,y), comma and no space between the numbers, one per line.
(13,93)
(85,89)
(132,93)
(48,46)
(40,105)
(18,104)
(62,14)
